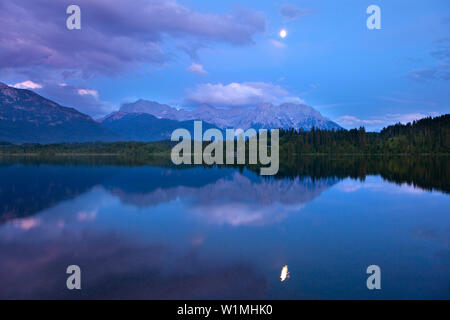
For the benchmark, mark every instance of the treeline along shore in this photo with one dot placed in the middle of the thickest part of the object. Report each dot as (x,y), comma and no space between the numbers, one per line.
(425,136)
(428,135)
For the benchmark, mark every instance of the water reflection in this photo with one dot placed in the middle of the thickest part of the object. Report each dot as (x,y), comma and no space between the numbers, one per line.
(151,232)
(284,273)
(234,199)
(225,194)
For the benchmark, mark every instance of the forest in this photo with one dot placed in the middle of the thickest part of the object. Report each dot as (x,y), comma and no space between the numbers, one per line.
(424,136)
(427,135)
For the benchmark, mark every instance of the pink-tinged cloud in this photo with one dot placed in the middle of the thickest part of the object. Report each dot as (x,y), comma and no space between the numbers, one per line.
(28,84)
(90,92)
(197,68)
(83,216)
(240,94)
(84,99)
(27,223)
(278,44)
(34,33)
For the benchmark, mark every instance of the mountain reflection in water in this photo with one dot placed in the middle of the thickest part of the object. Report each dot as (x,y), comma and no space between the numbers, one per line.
(153,232)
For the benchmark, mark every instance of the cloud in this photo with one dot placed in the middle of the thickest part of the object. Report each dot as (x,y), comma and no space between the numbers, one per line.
(84,216)
(409,101)
(143,266)
(114,37)
(292,12)
(277,43)
(235,199)
(443,49)
(352,120)
(240,94)
(26,223)
(191,48)
(441,71)
(28,84)
(84,92)
(353,185)
(197,68)
(381,121)
(349,185)
(86,100)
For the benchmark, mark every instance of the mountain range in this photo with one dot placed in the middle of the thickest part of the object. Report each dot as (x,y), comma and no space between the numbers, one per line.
(265,115)
(27,117)
(146,127)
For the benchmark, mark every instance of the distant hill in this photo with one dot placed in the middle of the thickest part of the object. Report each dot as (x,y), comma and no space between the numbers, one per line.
(26,116)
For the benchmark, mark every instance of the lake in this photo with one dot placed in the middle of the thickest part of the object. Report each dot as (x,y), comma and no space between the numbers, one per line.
(155,231)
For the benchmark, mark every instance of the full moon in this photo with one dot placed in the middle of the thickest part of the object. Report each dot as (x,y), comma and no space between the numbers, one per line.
(283,33)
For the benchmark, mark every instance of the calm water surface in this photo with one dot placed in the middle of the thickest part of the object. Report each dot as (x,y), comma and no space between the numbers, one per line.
(164,233)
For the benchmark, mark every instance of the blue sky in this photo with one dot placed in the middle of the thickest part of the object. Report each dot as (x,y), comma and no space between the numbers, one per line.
(191,52)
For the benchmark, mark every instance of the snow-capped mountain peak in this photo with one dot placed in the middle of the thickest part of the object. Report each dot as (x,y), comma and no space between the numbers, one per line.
(265,115)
